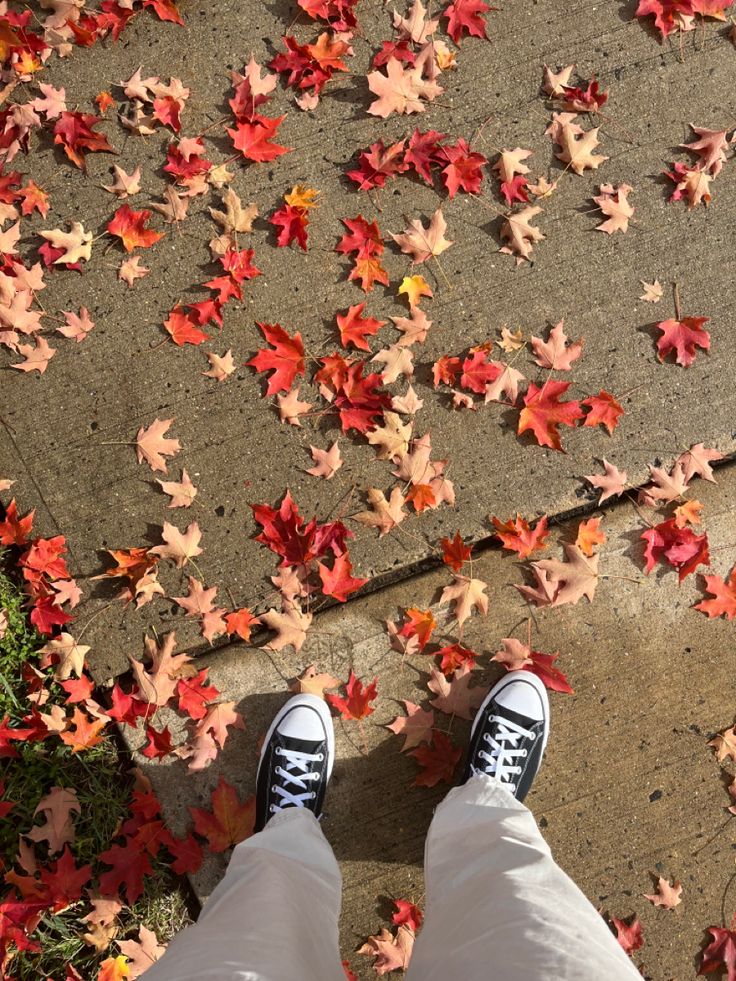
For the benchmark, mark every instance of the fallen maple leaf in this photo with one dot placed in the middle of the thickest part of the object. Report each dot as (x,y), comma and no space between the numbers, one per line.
(454,696)
(467,595)
(543,413)
(517,535)
(723,593)
(521,235)
(130,227)
(590,535)
(355,704)
(652,291)
(36,357)
(327,462)
(83,732)
(182,492)
(667,896)
(75,245)
(130,270)
(339,581)
(612,483)
(384,514)
(420,242)
(563,582)
(710,147)
(285,359)
(629,934)
(75,133)
(291,625)
(392,953)
(614,202)
(57,807)
(720,953)
(67,655)
(210,734)
(400,90)
(576,148)
(152,446)
(157,684)
(354,327)
(556,354)
(438,760)
(516,656)
(697,460)
(141,953)
(682,337)
(229,822)
(313,682)
(178,546)
(415,726)
(455,552)
(253,138)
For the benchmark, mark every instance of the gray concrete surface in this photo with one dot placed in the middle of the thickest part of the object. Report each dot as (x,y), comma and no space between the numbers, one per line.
(629,789)
(55,427)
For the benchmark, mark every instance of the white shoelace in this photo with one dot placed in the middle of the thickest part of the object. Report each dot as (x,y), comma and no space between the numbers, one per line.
(298,774)
(500,761)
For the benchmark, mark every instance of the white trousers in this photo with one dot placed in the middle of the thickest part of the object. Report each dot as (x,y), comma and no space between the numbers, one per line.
(498,906)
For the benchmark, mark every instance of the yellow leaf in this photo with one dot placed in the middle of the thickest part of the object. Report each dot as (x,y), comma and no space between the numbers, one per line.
(415,287)
(301,196)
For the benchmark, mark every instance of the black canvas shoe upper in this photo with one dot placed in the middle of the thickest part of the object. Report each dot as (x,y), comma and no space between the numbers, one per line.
(294,770)
(508,744)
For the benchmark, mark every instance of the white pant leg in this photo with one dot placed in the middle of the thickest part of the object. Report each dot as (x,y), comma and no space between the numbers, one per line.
(273,917)
(498,906)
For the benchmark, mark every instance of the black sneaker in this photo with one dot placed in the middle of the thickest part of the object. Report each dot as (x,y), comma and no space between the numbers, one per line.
(296,759)
(510,732)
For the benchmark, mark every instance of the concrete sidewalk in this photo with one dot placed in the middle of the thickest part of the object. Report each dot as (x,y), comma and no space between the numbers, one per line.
(58,427)
(629,789)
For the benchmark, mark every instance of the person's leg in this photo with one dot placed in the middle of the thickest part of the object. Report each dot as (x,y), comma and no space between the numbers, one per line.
(275,914)
(498,906)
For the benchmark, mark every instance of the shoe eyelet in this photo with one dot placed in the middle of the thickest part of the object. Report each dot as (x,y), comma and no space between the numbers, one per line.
(532,735)
(273,788)
(512,788)
(272,808)
(320,757)
(524,753)
(313,795)
(277,751)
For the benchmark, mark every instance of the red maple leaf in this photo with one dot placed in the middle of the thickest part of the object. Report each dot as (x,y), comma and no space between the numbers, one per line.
(445,370)
(293,222)
(680,547)
(181,327)
(455,552)
(589,99)
(159,743)
(543,412)
(285,533)
(517,535)
(357,398)
(463,170)
(604,410)
(339,581)
(46,615)
(378,163)
(425,151)
(285,358)
(194,694)
(420,624)
(130,864)
(229,821)
(455,656)
(187,854)
(543,666)
(683,337)
(129,227)
(720,953)
(724,597)
(15,530)
(253,138)
(408,914)
(515,189)
(438,760)
(64,881)
(355,704)
(184,168)
(628,934)
(466,16)
(400,50)
(479,372)
(74,132)
(240,622)
(668,14)
(354,327)
(165,10)
(126,708)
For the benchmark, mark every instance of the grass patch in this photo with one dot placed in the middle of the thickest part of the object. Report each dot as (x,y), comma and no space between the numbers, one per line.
(100,778)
